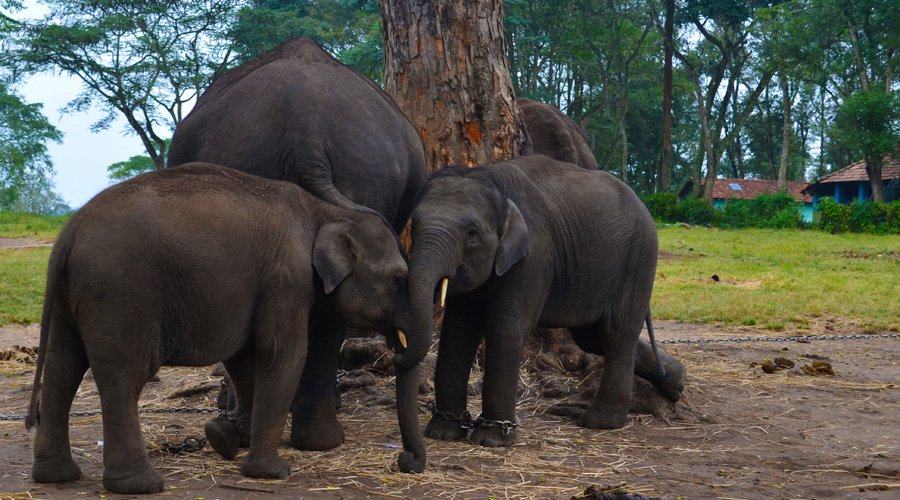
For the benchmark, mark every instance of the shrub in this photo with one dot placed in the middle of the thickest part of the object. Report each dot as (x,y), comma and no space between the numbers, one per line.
(864,217)
(835,218)
(892,217)
(738,214)
(696,211)
(773,210)
(662,206)
(785,218)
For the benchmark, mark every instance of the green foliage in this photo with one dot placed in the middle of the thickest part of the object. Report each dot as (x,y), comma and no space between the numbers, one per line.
(834,217)
(859,217)
(868,123)
(25,165)
(144,61)
(349,29)
(136,165)
(662,206)
(696,211)
(765,211)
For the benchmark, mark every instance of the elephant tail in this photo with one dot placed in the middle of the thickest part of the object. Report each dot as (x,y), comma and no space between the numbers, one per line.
(660,369)
(54,269)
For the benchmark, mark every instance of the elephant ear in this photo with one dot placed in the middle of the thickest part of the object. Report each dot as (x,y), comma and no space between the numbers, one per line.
(514,240)
(334,252)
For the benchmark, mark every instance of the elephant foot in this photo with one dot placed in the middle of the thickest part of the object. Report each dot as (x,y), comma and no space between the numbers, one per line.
(144,482)
(55,471)
(268,467)
(446,429)
(599,416)
(671,381)
(493,434)
(316,436)
(224,436)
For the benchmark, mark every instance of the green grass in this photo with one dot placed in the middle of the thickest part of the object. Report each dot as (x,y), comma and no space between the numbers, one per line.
(40,227)
(774,279)
(23,274)
(777,279)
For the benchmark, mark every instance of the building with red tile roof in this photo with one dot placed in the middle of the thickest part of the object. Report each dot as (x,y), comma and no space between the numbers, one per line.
(747,189)
(851,183)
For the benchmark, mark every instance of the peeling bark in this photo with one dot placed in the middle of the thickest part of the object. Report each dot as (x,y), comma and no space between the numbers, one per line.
(446,68)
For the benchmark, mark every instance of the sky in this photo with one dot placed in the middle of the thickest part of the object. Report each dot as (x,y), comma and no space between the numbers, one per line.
(80,160)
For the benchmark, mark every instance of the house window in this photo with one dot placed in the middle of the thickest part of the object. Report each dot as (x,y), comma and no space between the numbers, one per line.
(735,187)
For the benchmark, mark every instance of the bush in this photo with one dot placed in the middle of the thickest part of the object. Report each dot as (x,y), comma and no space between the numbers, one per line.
(860,217)
(696,211)
(835,218)
(738,214)
(662,206)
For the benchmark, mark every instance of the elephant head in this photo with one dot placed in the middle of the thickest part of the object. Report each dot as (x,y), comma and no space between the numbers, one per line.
(464,232)
(364,278)
(363,274)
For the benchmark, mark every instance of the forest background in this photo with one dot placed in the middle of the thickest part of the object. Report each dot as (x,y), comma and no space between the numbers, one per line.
(786,90)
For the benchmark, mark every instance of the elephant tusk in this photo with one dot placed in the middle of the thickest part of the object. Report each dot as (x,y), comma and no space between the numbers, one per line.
(444,283)
(402,337)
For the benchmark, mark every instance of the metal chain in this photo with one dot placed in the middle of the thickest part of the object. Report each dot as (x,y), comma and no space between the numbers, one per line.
(92,413)
(796,338)
(505,426)
(465,418)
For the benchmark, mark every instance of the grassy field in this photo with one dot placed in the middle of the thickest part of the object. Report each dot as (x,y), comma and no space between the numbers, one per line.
(773,279)
(777,279)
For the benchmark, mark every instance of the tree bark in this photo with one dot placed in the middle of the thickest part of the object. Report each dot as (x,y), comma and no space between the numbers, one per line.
(785,132)
(446,68)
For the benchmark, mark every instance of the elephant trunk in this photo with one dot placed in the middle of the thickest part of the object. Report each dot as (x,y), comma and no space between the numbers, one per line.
(427,267)
(412,458)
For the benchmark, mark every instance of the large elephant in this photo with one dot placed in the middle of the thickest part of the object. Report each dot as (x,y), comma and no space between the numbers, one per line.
(555,135)
(524,243)
(297,114)
(189,267)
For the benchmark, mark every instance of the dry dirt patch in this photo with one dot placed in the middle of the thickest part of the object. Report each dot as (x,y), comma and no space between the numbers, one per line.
(739,433)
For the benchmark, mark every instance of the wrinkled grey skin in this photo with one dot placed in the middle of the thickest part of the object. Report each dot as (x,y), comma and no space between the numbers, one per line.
(230,267)
(555,135)
(297,114)
(529,242)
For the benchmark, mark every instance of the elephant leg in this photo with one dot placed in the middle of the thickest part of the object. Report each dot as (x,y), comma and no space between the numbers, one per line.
(64,368)
(314,424)
(230,431)
(120,371)
(503,356)
(457,348)
(609,410)
(280,339)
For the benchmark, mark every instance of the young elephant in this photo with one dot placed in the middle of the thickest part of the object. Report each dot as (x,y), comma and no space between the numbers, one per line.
(188,267)
(527,242)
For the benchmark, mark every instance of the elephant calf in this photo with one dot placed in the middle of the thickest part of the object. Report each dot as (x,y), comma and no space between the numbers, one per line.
(188,267)
(531,241)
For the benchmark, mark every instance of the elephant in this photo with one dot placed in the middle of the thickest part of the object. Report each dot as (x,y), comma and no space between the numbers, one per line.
(297,114)
(555,135)
(189,267)
(522,243)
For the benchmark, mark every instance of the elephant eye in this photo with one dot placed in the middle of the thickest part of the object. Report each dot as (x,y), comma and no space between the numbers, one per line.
(473,236)
(398,283)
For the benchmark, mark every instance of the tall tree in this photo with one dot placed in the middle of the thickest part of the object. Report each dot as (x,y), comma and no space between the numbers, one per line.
(665,155)
(716,66)
(446,67)
(142,60)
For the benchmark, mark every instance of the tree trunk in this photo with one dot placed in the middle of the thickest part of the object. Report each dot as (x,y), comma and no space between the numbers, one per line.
(873,168)
(665,157)
(785,132)
(446,68)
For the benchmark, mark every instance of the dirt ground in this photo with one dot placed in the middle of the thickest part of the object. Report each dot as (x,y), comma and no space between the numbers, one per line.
(737,433)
